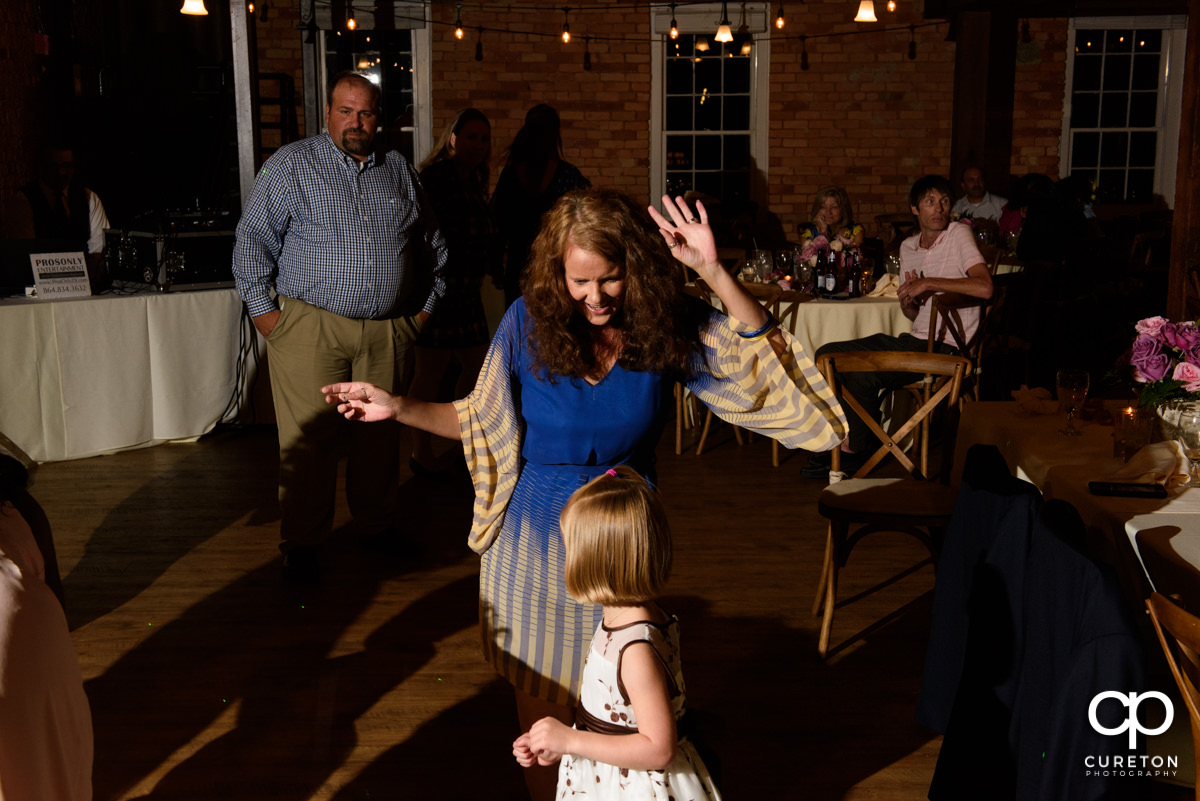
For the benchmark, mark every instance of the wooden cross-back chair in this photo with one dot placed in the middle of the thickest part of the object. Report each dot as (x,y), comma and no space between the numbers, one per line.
(945,316)
(919,504)
(1179,634)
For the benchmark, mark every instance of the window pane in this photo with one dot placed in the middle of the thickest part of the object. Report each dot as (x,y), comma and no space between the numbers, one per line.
(1143,148)
(737,113)
(679,76)
(1116,72)
(1139,187)
(737,75)
(1085,150)
(1114,149)
(1085,109)
(679,152)
(708,153)
(678,183)
(1148,41)
(1089,41)
(1111,187)
(708,113)
(1143,110)
(708,76)
(1145,71)
(1118,41)
(1087,73)
(710,184)
(1114,110)
(737,189)
(679,113)
(737,152)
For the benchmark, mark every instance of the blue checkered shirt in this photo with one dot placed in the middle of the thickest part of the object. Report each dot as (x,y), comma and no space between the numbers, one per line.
(359,241)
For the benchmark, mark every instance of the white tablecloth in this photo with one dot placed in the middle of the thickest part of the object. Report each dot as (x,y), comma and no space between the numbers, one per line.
(87,376)
(820,322)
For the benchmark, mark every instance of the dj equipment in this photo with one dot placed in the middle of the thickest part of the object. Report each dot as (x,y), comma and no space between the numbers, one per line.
(171,261)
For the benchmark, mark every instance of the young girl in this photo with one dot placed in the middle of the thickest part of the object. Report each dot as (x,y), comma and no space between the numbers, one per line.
(626,743)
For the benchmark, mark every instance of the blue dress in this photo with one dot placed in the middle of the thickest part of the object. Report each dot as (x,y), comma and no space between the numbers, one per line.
(530,442)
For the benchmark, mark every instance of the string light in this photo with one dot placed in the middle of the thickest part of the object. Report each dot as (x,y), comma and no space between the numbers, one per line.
(779,20)
(250,8)
(194,8)
(458,28)
(912,42)
(724,32)
(566,37)
(587,53)
(866,12)
(804,52)
(351,23)
(479,45)
(674,24)
(891,6)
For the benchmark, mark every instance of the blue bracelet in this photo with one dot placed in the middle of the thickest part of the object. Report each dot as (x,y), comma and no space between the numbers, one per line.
(762,332)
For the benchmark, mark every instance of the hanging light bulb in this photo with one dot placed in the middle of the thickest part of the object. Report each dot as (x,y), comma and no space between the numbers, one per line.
(866,12)
(674,24)
(743,37)
(912,42)
(479,45)
(250,8)
(804,52)
(351,23)
(458,28)
(566,26)
(587,53)
(891,5)
(194,7)
(724,32)
(779,21)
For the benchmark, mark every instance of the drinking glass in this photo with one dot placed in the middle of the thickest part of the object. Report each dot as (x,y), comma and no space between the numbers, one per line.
(1189,440)
(893,264)
(1072,390)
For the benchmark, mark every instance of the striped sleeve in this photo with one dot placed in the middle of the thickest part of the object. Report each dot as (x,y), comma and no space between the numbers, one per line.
(746,384)
(491,435)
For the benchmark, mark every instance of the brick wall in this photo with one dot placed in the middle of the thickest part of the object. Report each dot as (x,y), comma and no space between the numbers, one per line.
(1038,106)
(19,113)
(279,51)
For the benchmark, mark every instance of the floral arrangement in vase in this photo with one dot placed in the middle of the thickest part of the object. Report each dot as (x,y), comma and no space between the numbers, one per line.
(842,243)
(1165,362)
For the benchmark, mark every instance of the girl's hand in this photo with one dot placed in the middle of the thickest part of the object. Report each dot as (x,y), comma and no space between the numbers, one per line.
(357,400)
(549,738)
(523,753)
(689,236)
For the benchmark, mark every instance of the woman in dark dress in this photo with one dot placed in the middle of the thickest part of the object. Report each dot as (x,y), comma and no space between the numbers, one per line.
(455,177)
(534,177)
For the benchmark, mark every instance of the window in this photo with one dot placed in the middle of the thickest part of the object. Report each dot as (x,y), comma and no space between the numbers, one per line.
(710,100)
(1121,123)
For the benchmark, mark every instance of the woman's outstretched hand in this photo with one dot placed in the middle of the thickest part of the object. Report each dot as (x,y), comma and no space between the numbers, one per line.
(688,235)
(358,400)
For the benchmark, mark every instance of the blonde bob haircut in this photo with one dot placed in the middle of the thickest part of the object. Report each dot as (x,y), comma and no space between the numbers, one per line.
(617,540)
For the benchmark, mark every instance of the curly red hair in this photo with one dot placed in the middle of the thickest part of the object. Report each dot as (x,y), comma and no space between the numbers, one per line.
(660,329)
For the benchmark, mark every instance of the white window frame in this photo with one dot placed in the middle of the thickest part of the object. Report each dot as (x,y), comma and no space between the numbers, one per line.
(1170,95)
(704,18)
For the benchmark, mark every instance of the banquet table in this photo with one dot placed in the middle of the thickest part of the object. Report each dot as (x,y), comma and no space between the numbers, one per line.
(1152,543)
(819,322)
(87,376)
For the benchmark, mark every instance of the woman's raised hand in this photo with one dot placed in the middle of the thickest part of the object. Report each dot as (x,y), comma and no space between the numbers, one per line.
(358,400)
(688,235)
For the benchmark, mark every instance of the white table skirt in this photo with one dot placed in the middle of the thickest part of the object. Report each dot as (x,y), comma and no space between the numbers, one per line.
(87,376)
(820,322)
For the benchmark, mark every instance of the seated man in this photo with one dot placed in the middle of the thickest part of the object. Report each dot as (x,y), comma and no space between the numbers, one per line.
(940,258)
(976,201)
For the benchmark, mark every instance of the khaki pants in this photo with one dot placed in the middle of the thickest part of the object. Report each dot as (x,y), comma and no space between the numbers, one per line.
(309,348)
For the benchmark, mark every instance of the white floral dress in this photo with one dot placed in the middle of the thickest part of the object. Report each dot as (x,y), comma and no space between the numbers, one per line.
(604,707)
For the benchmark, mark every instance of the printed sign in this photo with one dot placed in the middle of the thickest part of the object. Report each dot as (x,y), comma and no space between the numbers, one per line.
(60,275)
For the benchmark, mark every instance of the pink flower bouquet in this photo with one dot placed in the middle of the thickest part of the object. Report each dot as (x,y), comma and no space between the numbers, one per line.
(1165,361)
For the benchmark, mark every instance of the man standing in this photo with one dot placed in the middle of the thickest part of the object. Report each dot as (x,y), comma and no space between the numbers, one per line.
(976,201)
(941,258)
(347,242)
(58,207)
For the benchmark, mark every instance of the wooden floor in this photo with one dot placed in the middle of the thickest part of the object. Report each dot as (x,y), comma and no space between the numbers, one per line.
(210,679)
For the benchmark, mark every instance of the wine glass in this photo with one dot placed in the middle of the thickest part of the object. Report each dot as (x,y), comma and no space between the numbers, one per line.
(892,264)
(1188,434)
(1072,390)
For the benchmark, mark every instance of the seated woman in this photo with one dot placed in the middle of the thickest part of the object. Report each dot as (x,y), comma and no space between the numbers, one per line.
(831,216)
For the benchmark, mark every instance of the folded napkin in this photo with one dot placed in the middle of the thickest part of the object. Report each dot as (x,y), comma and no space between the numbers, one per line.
(885,286)
(1035,401)
(1157,463)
